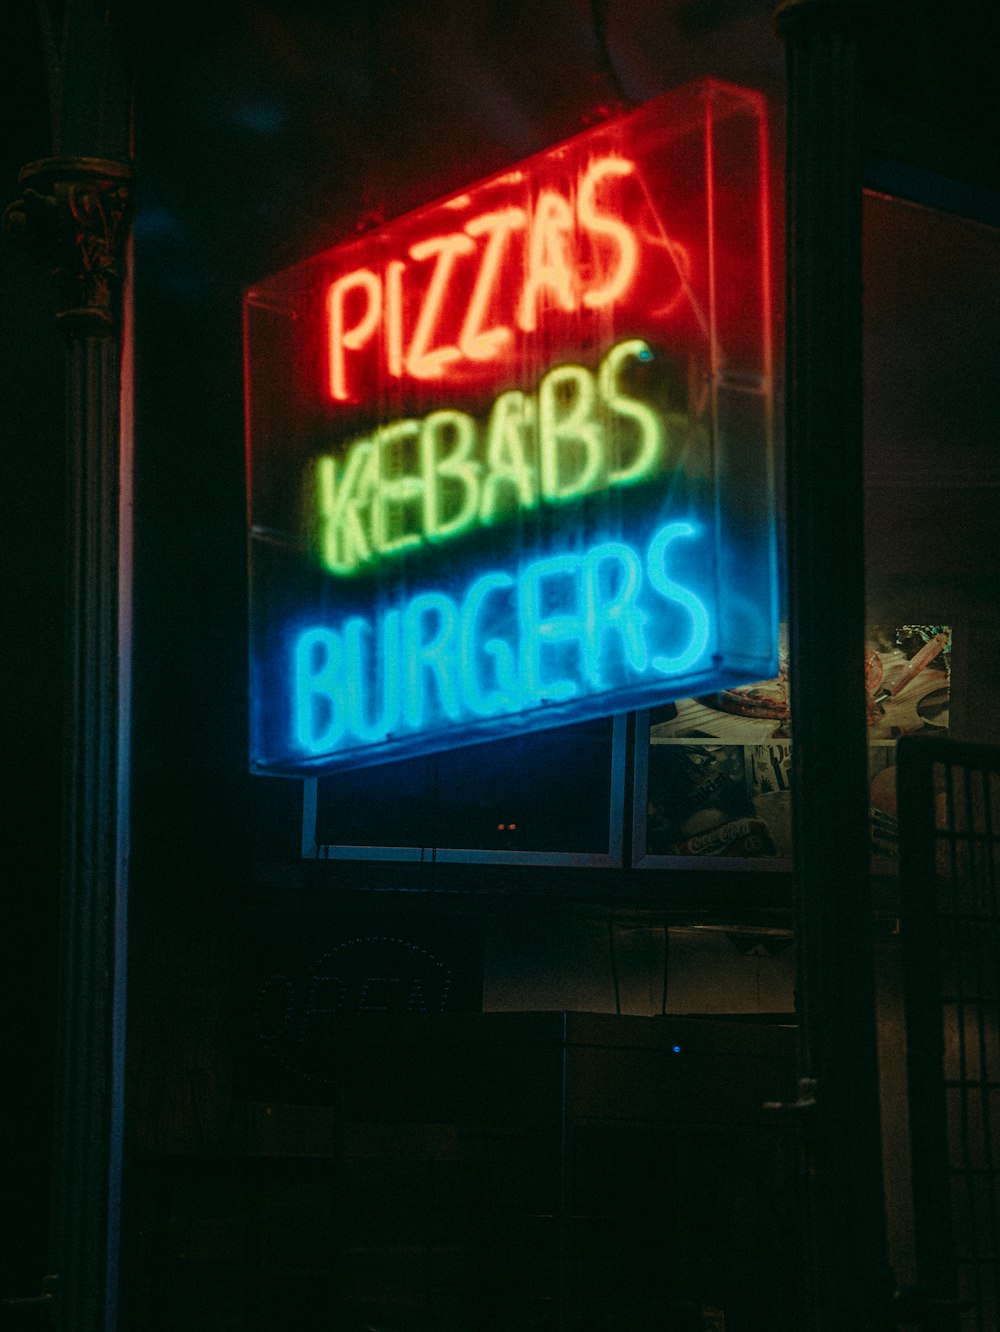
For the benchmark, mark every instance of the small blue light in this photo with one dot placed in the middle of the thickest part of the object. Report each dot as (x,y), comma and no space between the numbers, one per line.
(259,117)
(156,222)
(676,1049)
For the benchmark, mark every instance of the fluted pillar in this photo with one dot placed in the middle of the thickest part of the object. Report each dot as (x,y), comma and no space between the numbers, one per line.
(74,214)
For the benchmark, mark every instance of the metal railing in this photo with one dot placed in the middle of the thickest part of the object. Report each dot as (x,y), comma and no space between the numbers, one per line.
(949,817)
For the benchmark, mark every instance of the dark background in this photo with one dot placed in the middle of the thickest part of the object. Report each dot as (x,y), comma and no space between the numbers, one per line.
(263,133)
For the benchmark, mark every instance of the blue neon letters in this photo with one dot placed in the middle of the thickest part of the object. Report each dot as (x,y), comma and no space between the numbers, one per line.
(566,626)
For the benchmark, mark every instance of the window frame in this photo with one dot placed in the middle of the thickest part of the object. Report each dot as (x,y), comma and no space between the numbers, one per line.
(612,858)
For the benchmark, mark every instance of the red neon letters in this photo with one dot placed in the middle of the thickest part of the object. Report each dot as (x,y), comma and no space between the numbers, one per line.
(459,296)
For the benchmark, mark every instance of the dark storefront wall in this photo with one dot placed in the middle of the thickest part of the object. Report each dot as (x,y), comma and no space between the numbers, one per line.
(32,591)
(262,136)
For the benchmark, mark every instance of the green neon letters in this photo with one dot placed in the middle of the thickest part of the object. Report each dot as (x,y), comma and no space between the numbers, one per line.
(566,626)
(427,480)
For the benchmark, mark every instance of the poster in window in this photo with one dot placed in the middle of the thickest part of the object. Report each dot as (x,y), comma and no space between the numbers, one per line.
(720,771)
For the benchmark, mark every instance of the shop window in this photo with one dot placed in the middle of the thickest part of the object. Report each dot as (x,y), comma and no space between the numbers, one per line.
(932,480)
(552,798)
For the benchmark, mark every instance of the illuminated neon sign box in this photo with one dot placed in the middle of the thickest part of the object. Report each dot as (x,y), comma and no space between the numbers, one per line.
(509,456)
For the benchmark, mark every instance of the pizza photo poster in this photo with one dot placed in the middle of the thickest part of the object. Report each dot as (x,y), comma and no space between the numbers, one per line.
(719,766)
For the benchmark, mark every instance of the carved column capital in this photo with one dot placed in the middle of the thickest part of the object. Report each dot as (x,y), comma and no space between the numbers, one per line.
(75,213)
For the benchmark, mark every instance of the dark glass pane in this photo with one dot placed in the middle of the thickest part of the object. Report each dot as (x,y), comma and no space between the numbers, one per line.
(539,792)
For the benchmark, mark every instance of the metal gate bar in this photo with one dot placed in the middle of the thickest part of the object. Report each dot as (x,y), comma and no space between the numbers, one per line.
(949,824)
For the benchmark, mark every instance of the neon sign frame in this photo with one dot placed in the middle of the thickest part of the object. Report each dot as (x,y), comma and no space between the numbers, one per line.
(509,456)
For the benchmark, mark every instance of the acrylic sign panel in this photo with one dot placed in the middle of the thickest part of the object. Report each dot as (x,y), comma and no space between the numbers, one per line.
(509,456)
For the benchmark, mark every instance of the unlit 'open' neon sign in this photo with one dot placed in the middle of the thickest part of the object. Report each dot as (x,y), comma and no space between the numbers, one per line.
(509,456)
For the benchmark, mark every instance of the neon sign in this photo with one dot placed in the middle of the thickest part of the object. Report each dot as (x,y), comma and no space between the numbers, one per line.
(509,455)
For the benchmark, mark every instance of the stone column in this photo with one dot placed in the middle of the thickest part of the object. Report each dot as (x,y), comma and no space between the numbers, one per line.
(74,212)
